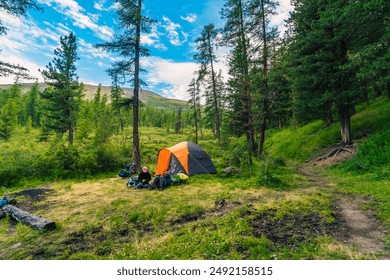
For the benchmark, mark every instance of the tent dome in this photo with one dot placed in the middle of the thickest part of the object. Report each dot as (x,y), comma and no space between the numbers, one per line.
(185,157)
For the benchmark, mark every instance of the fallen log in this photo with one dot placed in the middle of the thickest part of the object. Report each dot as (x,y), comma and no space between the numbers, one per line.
(29,219)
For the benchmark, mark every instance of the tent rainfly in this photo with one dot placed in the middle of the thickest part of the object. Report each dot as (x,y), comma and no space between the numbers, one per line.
(185,157)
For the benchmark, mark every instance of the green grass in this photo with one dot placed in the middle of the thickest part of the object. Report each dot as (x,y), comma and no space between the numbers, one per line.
(102,219)
(367,174)
(273,214)
(300,144)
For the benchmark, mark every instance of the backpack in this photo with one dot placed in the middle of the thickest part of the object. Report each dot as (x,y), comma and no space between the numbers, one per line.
(132,183)
(124,173)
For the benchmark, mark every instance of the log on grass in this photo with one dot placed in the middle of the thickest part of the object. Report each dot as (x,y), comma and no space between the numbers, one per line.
(29,219)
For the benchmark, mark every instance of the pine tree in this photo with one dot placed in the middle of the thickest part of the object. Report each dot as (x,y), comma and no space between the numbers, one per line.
(63,98)
(116,97)
(194,102)
(261,12)
(370,52)
(8,119)
(235,33)
(178,121)
(128,45)
(206,44)
(280,87)
(33,105)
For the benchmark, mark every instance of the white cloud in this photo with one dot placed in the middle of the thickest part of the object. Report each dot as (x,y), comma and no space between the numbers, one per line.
(89,51)
(99,5)
(25,36)
(81,19)
(25,43)
(190,17)
(283,11)
(174,76)
(172,33)
(153,39)
(32,67)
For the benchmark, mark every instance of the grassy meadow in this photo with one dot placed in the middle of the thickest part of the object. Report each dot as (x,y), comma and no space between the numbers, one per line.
(269,212)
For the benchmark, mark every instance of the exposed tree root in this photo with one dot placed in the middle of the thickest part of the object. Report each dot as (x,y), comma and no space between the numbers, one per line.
(339,148)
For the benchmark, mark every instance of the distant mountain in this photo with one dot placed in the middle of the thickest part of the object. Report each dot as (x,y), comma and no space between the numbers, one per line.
(148,98)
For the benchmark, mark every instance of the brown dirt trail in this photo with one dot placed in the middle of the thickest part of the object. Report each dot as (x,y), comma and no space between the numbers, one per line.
(364,231)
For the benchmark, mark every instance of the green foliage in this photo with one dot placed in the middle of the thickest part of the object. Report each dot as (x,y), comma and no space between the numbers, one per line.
(266,174)
(8,119)
(300,143)
(373,157)
(237,154)
(304,142)
(62,99)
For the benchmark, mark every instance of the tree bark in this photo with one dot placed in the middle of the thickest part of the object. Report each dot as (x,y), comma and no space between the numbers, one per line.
(29,219)
(215,96)
(345,125)
(136,150)
(265,77)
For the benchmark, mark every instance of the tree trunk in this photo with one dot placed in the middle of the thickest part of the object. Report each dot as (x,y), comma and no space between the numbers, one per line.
(195,114)
(121,123)
(71,132)
(345,125)
(249,140)
(265,77)
(136,149)
(178,122)
(215,101)
(29,219)
(262,133)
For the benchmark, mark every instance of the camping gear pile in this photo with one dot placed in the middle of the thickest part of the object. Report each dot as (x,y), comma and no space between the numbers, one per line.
(130,169)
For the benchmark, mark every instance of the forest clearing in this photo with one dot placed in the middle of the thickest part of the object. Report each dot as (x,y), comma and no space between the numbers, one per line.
(300,212)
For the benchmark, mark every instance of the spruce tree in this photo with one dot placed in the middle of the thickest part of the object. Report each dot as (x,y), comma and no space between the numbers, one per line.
(206,44)
(63,97)
(235,35)
(33,105)
(8,119)
(323,80)
(116,97)
(194,102)
(265,35)
(128,45)
(178,121)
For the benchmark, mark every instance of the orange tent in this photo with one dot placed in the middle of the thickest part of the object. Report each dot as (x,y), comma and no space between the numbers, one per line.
(185,157)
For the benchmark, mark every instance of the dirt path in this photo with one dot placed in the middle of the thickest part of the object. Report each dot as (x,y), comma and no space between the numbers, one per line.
(364,231)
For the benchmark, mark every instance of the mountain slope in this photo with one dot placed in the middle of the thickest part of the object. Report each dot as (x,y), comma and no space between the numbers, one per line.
(148,98)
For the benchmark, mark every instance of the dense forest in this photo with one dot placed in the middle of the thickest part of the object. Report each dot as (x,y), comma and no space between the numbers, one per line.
(298,130)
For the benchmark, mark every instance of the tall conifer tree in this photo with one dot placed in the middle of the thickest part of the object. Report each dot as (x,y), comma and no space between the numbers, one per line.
(63,98)
(235,33)
(206,44)
(128,45)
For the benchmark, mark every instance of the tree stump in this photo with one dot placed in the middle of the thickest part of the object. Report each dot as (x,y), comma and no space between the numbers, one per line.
(29,219)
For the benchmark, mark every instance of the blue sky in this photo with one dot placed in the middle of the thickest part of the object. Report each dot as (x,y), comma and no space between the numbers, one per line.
(31,41)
